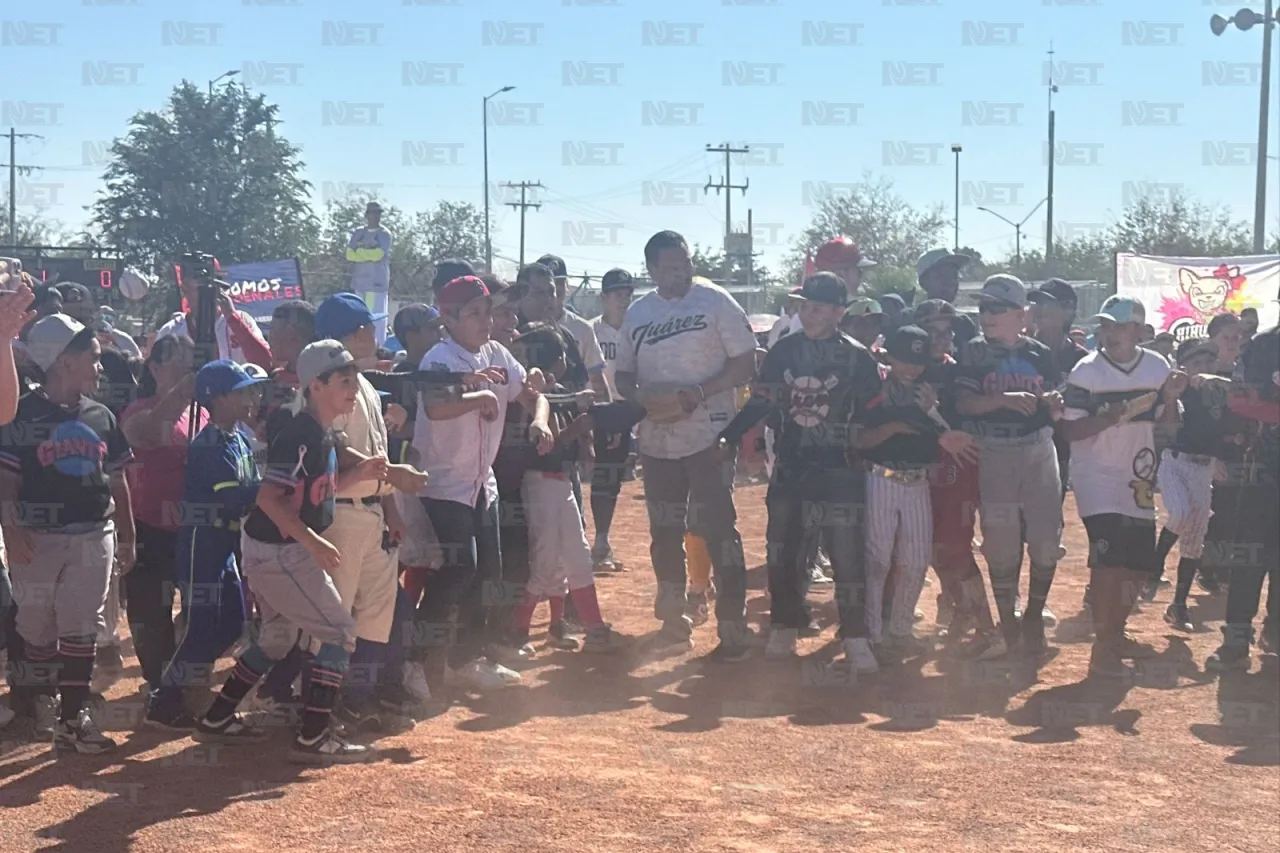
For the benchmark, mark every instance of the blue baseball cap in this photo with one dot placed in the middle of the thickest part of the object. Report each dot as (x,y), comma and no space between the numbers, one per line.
(222,377)
(1122,309)
(341,314)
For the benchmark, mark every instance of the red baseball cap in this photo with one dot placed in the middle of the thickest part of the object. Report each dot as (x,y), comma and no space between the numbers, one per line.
(840,252)
(458,292)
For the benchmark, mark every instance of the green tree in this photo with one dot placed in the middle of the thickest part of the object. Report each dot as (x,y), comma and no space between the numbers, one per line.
(709,263)
(451,229)
(205,174)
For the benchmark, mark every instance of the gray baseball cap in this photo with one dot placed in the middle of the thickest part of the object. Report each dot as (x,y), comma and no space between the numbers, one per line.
(1004,289)
(50,337)
(320,358)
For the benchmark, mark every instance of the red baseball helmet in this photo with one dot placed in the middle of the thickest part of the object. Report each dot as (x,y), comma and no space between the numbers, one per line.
(840,252)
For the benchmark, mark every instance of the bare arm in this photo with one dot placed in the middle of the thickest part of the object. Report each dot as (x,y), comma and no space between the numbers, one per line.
(600,386)
(737,372)
(10,389)
(273,501)
(151,428)
(471,401)
(971,404)
(1086,428)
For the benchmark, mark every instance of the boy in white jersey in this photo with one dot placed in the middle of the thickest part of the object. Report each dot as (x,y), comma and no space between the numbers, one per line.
(611,453)
(1113,399)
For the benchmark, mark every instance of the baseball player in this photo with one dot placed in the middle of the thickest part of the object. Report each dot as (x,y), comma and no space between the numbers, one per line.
(901,437)
(290,565)
(612,451)
(954,500)
(1113,398)
(1256,402)
(1005,393)
(1185,477)
(220,486)
(67,516)
(817,382)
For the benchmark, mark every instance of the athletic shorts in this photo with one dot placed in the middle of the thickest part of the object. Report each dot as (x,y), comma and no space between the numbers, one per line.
(1121,542)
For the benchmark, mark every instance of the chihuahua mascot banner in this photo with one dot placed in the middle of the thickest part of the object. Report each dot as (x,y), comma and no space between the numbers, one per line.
(1181,295)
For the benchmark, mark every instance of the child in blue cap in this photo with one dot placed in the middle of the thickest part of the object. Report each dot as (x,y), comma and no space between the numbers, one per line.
(219,489)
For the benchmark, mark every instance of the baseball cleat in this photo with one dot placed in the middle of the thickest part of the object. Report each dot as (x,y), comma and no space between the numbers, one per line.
(328,749)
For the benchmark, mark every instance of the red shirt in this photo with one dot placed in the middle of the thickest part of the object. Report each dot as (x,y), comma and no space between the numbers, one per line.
(155,476)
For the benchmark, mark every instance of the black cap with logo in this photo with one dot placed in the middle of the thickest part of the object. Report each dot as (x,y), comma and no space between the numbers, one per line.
(909,344)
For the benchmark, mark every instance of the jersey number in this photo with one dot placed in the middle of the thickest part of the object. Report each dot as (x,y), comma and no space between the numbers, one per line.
(610,350)
(1143,493)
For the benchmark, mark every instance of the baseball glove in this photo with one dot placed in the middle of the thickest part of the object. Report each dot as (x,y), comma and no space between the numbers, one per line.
(662,404)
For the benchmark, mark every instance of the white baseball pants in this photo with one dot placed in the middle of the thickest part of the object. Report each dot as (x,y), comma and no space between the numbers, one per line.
(899,530)
(559,556)
(1187,492)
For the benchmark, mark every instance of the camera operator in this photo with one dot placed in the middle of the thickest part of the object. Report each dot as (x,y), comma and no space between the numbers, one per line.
(236,333)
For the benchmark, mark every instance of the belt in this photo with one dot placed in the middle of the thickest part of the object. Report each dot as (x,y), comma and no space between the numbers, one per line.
(1193,458)
(372,500)
(906,477)
(221,524)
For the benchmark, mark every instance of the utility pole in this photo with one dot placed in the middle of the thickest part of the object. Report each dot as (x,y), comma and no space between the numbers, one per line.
(523,205)
(727,185)
(1053,155)
(751,255)
(14,136)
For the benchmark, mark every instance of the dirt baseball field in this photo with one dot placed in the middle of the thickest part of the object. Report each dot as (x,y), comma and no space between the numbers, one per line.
(631,754)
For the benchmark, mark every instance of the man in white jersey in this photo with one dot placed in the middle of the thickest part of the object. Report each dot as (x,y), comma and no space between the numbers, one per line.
(1113,398)
(616,289)
(686,348)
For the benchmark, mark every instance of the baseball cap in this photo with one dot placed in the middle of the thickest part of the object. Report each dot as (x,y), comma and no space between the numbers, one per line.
(449,269)
(45,298)
(894,300)
(413,317)
(840,252)
(255,371)
(73,292)
(825,287)
(1053,290)
(49,337)
(617,279)
(1122,309)
(373,205)
(341,314)
(222,377)
(460,291)
(935,257)
(321,358)
(865,305)
(910,344)
(933,309)
(1004,289)
(1194,347)
(556,263)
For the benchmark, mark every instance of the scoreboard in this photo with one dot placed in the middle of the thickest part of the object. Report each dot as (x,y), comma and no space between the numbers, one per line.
(97,274)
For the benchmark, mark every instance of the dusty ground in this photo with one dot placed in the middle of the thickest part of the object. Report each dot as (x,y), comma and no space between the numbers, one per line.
(630,755)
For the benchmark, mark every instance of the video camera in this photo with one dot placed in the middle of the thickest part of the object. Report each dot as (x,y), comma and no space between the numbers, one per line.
(201,269)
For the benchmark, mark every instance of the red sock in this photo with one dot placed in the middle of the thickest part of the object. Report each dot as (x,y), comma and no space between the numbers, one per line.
(413,580)
(557,608)
(584,598)
(522,614)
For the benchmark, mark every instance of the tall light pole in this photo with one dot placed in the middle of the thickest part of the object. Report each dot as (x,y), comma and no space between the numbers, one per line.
(1246,19)
(1053,156)
(488,246)
(219,78)
(1017,229)
(956,149)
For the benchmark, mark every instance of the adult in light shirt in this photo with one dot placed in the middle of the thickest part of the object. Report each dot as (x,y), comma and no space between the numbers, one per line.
(369,251)
(688,347)
(841,256)
(236,333)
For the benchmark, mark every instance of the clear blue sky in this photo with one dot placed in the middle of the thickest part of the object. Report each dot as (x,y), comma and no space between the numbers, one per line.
(1148,52)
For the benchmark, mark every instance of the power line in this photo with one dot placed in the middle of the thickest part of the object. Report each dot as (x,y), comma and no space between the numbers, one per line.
(727,185)
(523,206)
(14,136)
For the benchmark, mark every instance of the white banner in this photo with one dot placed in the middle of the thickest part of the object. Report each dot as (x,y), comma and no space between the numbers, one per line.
(1182,294)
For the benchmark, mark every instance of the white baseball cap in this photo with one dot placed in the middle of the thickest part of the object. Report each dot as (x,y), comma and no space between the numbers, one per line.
(49,338)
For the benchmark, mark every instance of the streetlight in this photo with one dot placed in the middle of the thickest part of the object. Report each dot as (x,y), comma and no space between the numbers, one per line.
(488,247)
(1246,19)
(1017,229)
(956,149)
(231,73)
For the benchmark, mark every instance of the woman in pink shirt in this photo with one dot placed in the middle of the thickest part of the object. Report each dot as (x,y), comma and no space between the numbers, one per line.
(158,429)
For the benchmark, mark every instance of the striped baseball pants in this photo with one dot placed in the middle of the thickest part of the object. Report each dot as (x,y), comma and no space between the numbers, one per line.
(1187,491)
(899,524)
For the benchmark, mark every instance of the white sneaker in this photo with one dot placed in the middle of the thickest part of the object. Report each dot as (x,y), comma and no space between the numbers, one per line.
(782,643)
(512,655)
(816,575)
(6,716)
(414,678)
(858,656)
(482,675)
(1049,618)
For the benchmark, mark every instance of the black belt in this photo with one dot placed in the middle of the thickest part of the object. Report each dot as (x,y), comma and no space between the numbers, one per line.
(372,500)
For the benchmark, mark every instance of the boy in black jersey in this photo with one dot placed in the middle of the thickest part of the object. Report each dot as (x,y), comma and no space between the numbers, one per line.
(901,437)
(819,383)
(287,562)
(1185,476)
(66,519)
